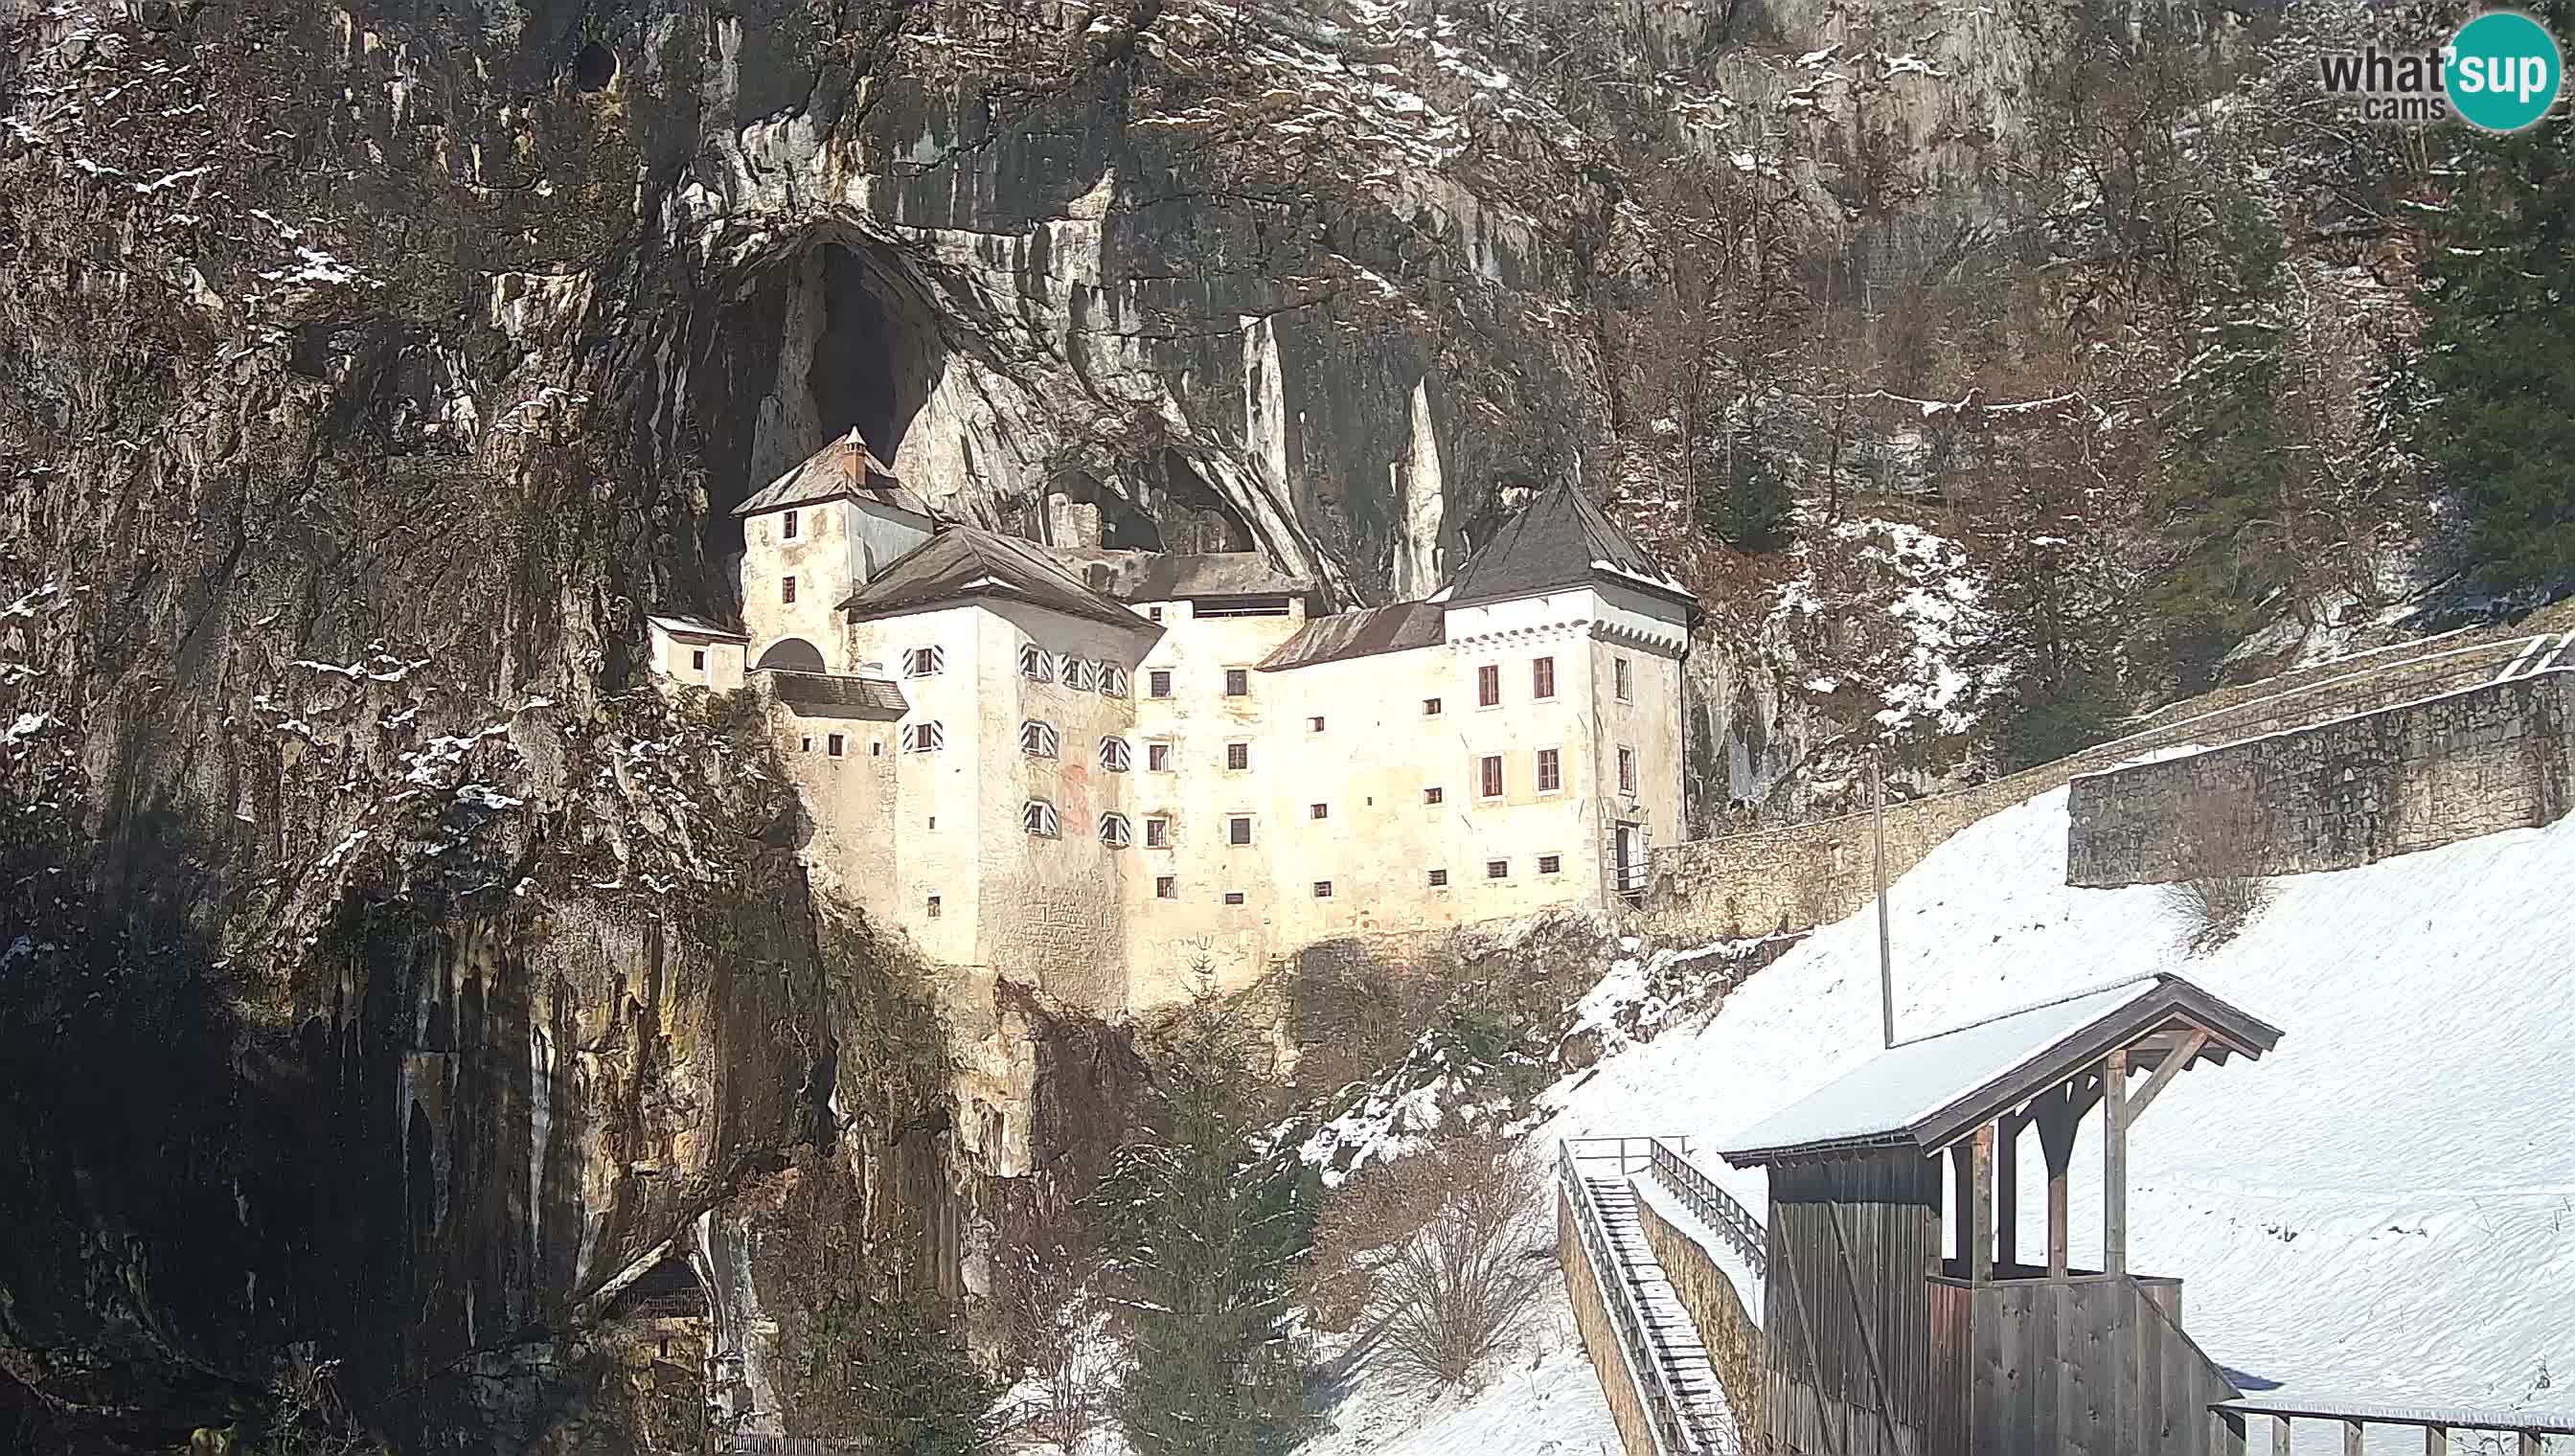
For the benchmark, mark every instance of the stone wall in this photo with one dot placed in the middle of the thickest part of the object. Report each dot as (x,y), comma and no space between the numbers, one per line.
(1801,876)
(1732,1335)
(1601,1337)
(2338,793)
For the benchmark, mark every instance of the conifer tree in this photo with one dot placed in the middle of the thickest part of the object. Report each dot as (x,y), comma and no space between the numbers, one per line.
(2500,360)
(1208,1226)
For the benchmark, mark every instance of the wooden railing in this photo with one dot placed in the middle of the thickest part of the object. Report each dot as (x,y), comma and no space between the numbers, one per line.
(1674,1433)
(1714,1206)
(2438,1424)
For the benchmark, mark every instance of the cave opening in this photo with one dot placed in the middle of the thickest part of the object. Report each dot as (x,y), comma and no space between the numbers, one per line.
(594,67)
(1195,515)
(810,344)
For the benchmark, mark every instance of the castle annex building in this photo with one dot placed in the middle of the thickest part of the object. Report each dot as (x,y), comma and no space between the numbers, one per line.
(1105,770)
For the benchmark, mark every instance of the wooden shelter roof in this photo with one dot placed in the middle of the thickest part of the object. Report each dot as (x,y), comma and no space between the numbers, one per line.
(1930,1092)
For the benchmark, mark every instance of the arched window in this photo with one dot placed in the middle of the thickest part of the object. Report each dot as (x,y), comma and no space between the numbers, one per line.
(792,654)
(1036,663)
(924,738)
(1114,832)
(1038,817)
(1115,756)
(1039,739)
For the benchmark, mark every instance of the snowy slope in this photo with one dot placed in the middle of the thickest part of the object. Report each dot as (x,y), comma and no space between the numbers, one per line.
(1545,1403)
(2384,1207)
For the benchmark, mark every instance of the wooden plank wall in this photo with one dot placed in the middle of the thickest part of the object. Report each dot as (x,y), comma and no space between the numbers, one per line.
(1847,1314)
(2088,1366)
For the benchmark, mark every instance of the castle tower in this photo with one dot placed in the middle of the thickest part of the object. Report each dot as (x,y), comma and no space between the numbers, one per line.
(809,538)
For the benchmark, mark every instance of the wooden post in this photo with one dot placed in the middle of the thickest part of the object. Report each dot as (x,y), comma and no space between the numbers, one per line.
(2436,1441)
(2008,1191)
(2057,1149)
(2114,1164)
(1962,1198)
(1980,1269)
(2351,1431)
(2529,1443)
(2279,1436)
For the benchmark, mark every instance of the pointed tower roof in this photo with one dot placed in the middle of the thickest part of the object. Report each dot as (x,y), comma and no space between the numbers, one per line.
(960,562)
(844,468)
(1557,540)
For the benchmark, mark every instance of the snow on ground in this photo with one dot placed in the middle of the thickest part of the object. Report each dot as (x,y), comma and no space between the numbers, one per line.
(2383,1208)
(1545,1403)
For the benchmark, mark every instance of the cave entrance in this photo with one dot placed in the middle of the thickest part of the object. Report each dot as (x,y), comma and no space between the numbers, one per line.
(1195,515)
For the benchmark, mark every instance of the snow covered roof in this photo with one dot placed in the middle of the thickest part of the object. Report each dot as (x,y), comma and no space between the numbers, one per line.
(1928,1093)
(845,467)
(1559,540)
(960,562)
(694,626)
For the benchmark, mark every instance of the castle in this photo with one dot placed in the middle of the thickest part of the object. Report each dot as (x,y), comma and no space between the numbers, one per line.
(1107,772)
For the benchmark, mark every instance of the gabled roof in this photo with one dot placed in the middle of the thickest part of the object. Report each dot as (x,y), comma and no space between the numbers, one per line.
(960,562)
(1557,540)
(1153,576)
(1359,634)
(845,467)
(837,695)
(1928,1093)
(694,626)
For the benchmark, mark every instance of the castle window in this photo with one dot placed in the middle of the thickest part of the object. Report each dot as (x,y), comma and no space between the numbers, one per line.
(1625,678)
(1158,757)
(1319,811)
(1497,868)
(1543,678)
(1430,795)
(1234,896)
(1323,889)
(1489,776)
(1237,831)
(932,910)
(921,737)
(1238,682)
(1488,686)
(1314,724)
(1439,879)
(1430,707)
(1158,833)
(789,529)
(1154,613)
(697,660)
(787,590)
(1113,681)
(1115,756)
(835,745)
(876,748)
(1039,739)
(1627,770)
(1036,663)
(1550,770)
(926,661)
(1549,863)
(1167,887)
(1038,817)
(808,744)
(1081,674)
(1238,757)
(1114,832)
(1159,683)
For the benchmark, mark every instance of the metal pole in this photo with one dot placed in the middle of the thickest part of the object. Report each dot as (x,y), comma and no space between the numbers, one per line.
(1885,957)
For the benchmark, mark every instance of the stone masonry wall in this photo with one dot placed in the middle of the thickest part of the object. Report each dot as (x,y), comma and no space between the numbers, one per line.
(1801,876)
(2339,793)
(1730,1334)
(1600,1337)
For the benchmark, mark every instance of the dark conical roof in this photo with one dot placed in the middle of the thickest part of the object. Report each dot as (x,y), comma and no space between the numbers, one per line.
(1559,540)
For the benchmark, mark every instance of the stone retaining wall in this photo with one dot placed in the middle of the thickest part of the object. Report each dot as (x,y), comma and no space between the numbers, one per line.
(1732,1335)
(2332,795)
(1601,1337)
(1801,876)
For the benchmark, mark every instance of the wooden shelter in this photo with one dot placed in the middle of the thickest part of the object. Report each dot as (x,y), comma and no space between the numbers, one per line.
(1886,1338)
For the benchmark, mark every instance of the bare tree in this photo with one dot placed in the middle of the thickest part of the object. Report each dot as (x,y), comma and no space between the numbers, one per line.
(1460,1252)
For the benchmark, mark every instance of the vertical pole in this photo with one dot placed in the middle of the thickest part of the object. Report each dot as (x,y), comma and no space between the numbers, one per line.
(1962,1198)
(1980,1267)
(2008,1191)
(1885,957)
(2114,1164)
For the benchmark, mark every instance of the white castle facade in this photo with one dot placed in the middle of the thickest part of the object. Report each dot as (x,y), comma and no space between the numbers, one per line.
(1107,772)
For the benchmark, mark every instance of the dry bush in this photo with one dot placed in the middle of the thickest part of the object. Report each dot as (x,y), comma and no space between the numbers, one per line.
(2219,847)
(1049,1323)
(1445,1254)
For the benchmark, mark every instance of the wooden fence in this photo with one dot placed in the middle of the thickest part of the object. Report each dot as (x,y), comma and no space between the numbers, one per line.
(2437,1424)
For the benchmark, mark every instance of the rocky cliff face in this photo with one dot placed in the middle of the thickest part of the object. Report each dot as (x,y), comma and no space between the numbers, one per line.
(387,978)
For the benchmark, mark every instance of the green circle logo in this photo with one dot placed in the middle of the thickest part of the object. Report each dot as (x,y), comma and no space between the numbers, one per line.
(2502,71)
